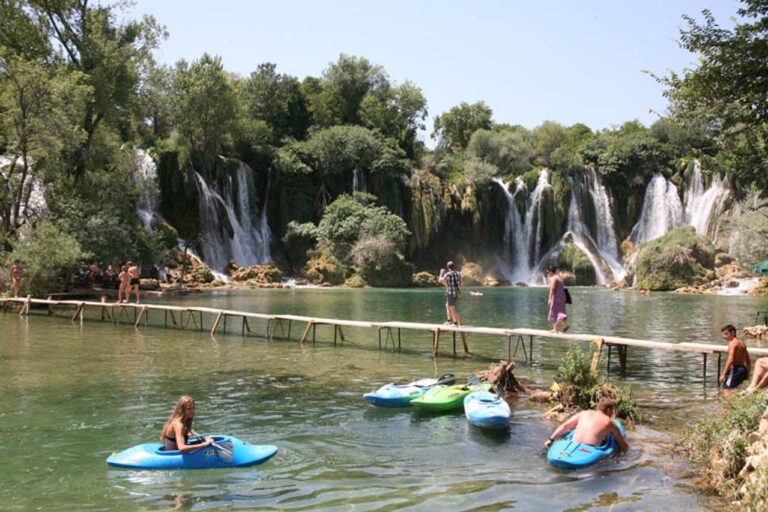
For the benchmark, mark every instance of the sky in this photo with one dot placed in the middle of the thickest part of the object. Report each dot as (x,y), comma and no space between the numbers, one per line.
(577,61)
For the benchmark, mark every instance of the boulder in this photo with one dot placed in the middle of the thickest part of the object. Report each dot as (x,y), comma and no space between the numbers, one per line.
(681,258)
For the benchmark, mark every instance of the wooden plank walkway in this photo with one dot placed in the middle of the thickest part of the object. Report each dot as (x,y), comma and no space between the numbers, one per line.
(193,316)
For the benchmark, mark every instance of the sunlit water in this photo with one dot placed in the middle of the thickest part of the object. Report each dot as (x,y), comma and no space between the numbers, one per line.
(71,395)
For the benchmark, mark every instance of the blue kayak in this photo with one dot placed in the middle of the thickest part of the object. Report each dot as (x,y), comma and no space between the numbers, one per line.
(401,395)
(566,454)
(227,452)
(487,410)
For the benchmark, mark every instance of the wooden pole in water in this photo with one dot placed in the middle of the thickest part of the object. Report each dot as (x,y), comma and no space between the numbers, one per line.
(216,323)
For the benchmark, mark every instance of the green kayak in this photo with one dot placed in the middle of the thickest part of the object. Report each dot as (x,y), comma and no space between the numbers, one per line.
(447,398)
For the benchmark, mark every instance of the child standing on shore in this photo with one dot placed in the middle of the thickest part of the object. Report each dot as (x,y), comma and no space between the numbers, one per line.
(125,284)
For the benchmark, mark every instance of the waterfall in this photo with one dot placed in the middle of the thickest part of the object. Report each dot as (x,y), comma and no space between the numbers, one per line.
(34,203)
(146,185)
(229,231)
(704,208)
(533,224)
(358,181)
(662,210)
(515,247)
(603,256)
(523,234)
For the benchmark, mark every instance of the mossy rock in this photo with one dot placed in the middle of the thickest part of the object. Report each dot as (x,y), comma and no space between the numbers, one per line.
(391,271)
(355,281)
(574,261)
(678,259)
(201,274)
(324,269)
(425,280)
(472,274)
(267,273)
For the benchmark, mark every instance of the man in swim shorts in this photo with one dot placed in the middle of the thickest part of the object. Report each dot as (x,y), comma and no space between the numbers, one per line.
(738,364)
(135,274)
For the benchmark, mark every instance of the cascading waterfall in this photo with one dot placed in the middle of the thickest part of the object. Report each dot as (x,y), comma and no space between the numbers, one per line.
(533,224)
(523,235)
(34,204)
(358,181)
(704,208)
(662,210)
(229,231)
(515,247)
(146,184)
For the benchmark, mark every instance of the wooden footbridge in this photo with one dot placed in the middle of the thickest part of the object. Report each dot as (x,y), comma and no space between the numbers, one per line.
(390,331)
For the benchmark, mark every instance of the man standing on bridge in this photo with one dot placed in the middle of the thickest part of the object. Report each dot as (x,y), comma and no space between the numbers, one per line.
(452,282)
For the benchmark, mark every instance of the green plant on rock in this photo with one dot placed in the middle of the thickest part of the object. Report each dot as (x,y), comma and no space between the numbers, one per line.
(719,444)
(324,268)
(679,258)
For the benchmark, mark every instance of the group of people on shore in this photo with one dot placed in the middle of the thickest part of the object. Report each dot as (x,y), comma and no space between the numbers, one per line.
(128,280)
(451,279)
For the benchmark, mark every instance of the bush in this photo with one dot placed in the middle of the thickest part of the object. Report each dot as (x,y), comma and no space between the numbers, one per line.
(298,239)
(472,274)
(379,264)
(583,389)
(679,258)
(425,280)
(324,268)
(720,444)
(48,256)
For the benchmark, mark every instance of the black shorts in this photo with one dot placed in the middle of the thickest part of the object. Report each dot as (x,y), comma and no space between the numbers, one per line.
(135,280)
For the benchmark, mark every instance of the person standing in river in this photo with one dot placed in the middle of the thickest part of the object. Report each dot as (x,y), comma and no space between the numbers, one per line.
(556,301)
(451,279)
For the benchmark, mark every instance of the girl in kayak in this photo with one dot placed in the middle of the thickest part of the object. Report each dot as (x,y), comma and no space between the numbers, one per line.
(178,428)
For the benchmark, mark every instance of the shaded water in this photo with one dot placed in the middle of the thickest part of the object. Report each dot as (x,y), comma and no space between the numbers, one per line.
(71,395)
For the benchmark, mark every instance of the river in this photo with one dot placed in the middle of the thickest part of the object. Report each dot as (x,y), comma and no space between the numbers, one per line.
(70,395)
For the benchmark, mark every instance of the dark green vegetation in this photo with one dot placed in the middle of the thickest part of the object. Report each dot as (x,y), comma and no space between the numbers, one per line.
(719,444)
(581,388)
(79,91)
(677,259)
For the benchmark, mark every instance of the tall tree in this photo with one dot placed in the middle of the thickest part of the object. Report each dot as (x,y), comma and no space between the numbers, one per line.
(40,108)
(455,127)
(204,105)
(112,57)
(729,88)
(277,99)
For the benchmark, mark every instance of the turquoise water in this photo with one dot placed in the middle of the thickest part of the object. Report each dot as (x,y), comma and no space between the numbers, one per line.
(70,395)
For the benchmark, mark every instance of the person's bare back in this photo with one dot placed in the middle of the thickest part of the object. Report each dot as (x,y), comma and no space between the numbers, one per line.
(592,428)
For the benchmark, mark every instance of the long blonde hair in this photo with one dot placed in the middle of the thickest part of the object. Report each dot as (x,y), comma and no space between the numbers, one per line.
(180,413)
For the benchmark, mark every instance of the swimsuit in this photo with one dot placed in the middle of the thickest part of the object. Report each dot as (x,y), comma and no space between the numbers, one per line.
(735,376)
(135,280)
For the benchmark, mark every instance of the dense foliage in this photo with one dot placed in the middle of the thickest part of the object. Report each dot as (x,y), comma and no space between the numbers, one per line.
(79,92)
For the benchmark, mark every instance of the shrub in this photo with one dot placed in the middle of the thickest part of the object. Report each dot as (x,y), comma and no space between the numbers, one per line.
(48,256)
(679,258)
(719,444)
(324,268)
(425,280)
(298,239)
(583,389)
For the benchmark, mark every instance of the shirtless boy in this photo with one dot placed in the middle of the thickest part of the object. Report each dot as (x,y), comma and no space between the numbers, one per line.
(738,364)
(125,284)
(135,274)
(592,427)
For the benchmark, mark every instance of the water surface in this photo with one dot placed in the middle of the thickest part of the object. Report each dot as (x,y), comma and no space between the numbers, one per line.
(70,395)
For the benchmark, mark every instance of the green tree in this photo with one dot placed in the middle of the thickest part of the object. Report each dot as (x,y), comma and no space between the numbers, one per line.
(510,150)
(111,57)
(204,105)
(49,256)
(278,100)
(398,113)
(39,122)
(728,88)
(342,89)
(455,127)
(557,147)
(352,218)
